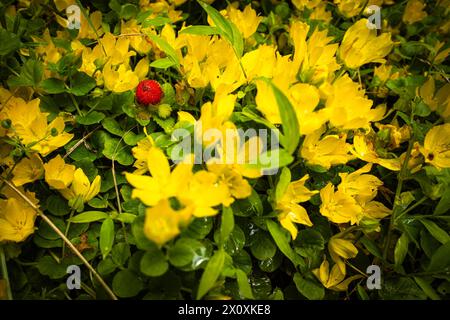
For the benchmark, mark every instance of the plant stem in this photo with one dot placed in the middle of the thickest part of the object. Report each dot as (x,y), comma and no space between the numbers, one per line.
(66,232)
(418,203)
(398,191)
(75,103)
(64,238)
(4,268)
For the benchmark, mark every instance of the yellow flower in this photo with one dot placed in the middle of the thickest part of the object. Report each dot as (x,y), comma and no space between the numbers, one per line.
(30,125)
(251,62)
(414,11)
(384,73)
(290,210)
(214,116)
(327,151)
(349,8)
(397,135)
(436,147)
(305,98)
(139,43)
(437,101)
(163,184)
(246,21)
(341,249)
(81,190)
(320,13)
(28,170)
(364,149)
(284,74)
(359,184)
(16,220)
(58,174)
(63,4)
(310,4)
(86,31)
(181,184)
(162,222)
(314,57)
(438,56)
(140,153)
(124,79)
(361,45)
(375,210)
(333,280)
(347,106)
(213,192)
(233,161)
(338,206)
(49,52)
(116,49)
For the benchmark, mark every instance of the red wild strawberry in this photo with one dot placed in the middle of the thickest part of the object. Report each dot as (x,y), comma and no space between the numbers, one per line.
(148,92)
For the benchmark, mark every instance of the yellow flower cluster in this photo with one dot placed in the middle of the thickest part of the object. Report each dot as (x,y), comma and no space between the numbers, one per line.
(353,199)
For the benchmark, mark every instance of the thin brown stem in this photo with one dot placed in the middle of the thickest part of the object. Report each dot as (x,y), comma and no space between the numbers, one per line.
(64,238)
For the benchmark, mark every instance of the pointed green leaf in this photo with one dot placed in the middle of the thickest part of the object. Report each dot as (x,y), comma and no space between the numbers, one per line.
(211,274)
(106,236)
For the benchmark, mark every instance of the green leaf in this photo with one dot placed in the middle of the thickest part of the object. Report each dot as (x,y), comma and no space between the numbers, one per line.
(238,40)
(270,161)
(106,266)
(309,288)
(439,234)
(9,42)
(371,247)
(98,203)
(427,288)
(263,247)
(222,24)
(137,229)
(57,205)
(81,84)
(362,292)
(401,289)
(30,75)
(440,260)
(166,47)
(309,243)
(227,224)
(245,288)
(444,204)
(126,217)
(163,63)
(153,263)
(113,148)
(291,130)
(46,232)
(126,284)
(187,252)
(89,216)
(156,22)
(121,253)
(53,86)
(49,267)
(283,182)
(112,126)
(106,236)
(90,118)
(131,138)
(282,241)
(401,249)
(199,228)
(211,273)
(200,30)
(421,109)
